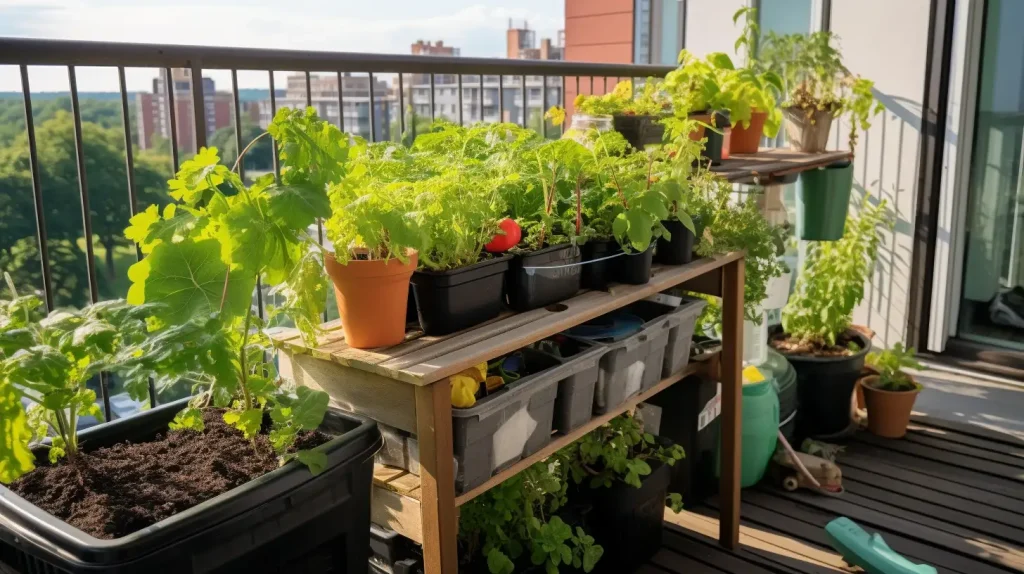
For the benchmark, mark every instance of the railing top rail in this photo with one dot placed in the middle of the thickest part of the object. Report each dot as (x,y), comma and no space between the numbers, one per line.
(18,51)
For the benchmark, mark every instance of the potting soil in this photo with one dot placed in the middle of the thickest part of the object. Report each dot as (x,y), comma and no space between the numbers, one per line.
(789,346)
(114,491)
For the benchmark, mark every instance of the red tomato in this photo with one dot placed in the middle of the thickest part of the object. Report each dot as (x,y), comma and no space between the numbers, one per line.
(502,243)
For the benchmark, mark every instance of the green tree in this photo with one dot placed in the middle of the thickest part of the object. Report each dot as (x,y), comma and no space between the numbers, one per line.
(260,157)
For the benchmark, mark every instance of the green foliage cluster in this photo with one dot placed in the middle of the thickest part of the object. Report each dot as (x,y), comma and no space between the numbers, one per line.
(650,101)
(831,283)
(890,364)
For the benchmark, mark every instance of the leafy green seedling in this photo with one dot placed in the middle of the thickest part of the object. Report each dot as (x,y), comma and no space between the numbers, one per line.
(890,364)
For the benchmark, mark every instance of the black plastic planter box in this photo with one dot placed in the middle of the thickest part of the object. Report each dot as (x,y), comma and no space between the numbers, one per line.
(640,131)
(449,301)
(286,521)
(678,249)
(598,275)
(543,277)
(627,521)
(635,268)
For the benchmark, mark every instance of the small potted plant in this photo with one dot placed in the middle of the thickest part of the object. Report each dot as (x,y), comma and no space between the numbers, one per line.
(890,395)
(694,90)
(816,336)
(625,473)
(636,116)
(750,98)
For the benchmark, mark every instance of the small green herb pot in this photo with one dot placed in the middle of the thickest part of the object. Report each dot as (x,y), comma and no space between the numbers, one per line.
(822,201)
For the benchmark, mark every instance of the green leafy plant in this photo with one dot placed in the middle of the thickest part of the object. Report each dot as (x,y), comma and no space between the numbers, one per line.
(743,91)
(204,254)
(693,86)
(48,360)
(831,283)
(651,100)
(890,364)
(517,521)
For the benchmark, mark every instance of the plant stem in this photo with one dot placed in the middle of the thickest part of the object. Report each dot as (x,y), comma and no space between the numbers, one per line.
(246,397)
(238,161)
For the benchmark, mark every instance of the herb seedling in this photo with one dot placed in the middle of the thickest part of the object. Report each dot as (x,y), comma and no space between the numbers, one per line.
(890,364)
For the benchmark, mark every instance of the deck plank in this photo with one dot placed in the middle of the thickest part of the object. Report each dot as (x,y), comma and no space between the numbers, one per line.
(947,457)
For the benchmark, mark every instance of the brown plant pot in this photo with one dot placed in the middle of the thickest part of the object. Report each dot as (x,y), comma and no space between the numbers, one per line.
(747,139)
(698,133)
(888,411)
(859,391)
(807,133)
(372,298)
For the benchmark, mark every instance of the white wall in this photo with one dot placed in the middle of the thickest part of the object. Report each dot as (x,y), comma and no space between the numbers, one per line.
(886,41)
(709,26)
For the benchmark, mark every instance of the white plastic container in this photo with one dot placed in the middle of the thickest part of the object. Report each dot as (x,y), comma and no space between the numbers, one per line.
(755,341)
(778,291)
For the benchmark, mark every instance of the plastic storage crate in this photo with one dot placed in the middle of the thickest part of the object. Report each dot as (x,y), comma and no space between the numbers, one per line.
(501,429)
(681,323)
(581,362)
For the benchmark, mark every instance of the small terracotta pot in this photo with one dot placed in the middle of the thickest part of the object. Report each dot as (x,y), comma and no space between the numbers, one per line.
(888,411)
(372,298)
(859,391)
(747,139)
(698,133)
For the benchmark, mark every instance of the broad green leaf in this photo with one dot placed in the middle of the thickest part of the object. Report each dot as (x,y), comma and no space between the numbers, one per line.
(499,563)
(316,460)
(188,419)
(296,207)
(591,556)
(96,333)
(15,433)
(198,175)
(308,412)
(247,421)
(721,60)
(244,237)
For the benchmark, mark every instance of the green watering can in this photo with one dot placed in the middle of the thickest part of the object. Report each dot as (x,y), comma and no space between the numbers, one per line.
(869,551)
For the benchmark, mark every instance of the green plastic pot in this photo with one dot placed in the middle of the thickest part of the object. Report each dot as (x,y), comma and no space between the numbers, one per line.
(822,200)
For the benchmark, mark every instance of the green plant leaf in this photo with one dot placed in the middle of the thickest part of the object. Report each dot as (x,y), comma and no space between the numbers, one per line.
(15,457)
(296,207)
(247,421)
(188,419)
(308,412)
(316,460)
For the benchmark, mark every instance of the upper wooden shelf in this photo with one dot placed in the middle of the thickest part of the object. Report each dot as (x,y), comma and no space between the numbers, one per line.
(422,360)
(774,162)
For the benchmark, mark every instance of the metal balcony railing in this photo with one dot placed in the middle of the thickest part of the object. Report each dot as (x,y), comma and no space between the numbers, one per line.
(72,55)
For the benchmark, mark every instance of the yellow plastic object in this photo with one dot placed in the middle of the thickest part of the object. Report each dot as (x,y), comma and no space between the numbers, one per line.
(752,375)
(494,383)
(464,390)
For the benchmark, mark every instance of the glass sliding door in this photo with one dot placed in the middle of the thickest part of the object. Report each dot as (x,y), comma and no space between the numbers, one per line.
(992,299)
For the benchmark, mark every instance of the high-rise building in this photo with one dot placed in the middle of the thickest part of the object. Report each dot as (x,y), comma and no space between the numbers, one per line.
(323,96)
(522,44)
(153,111)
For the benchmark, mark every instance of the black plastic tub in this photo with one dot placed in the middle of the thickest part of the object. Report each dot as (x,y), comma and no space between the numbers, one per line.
(640,131)
(824,386)
(286,521)
(598,275)
(635,268)
(449,301)
(678,249)
(627,521)
(543,277)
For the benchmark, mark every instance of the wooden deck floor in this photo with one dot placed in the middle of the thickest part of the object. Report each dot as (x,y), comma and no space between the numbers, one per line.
(947,495)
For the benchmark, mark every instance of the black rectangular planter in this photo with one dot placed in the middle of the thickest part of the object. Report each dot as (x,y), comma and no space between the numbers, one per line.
(598,275)
(284,521)
(543,277)
(640,131)
(635,268)
(627,521)
(449,301)
(678,250)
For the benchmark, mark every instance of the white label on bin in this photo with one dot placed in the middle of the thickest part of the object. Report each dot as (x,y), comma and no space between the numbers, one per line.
(711,410)
(510,439)
(666,299)
(634,378)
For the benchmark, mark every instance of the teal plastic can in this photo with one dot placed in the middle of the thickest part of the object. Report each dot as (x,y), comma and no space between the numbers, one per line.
(760,430)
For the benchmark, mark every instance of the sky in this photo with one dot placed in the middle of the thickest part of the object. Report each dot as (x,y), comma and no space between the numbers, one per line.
(380,26)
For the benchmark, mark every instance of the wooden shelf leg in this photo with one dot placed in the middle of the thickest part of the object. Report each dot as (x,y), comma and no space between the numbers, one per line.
(437,478)
(732,403)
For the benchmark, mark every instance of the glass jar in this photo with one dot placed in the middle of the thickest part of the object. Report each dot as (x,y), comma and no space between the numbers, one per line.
(583,123)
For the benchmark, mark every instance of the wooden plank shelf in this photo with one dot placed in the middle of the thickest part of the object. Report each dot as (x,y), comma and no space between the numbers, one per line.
(770,163)
(422,360)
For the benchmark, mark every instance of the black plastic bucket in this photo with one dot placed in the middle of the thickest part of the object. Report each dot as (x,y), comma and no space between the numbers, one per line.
(284,521)
(597,275)
(543,277)
(678,249)
(449,301)
(635,268)
(627,521)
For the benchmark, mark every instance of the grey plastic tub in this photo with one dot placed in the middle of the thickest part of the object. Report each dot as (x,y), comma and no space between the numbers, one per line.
(501,429)
(680,335)
(577,379)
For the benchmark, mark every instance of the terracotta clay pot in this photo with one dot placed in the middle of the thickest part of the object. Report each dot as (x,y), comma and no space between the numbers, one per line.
(888,411)
(698,133)
(372,298)
(859,390)
(747,139)
(808,133)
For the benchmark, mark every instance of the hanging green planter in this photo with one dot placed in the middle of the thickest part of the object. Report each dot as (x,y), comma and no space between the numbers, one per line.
(822,201)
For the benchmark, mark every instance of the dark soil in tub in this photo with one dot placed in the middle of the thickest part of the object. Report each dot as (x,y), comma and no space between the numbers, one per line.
(789,346)
(114,491)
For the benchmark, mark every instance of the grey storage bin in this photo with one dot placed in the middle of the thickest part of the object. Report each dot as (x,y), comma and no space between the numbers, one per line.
(622,371)
(680,335)
(501,429)
(578,375)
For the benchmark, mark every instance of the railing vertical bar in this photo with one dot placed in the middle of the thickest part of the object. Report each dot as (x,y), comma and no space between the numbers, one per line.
(341,103)
(544,105)
(501,98)
(526,104)
(198,106)
(431,97)
(309,91)
(373,110)
(577,85)
(172,117)
(401,107)
(591,85)
(273,112)
(37,190)
(481,96)
(461,120)
(565,102)
(238,127)
(83,189)
(606,84)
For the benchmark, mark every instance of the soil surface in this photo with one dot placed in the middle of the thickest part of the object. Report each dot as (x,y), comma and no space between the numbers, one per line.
(788,346)
(113,491)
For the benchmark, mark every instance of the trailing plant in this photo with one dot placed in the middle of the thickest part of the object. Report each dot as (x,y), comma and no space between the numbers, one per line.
(518,521)
(831,282)
(204,255)
(618,451)
(650,101)
(47,360)
(890,364)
